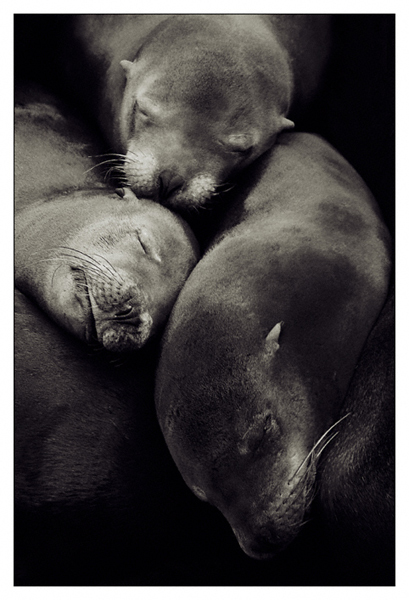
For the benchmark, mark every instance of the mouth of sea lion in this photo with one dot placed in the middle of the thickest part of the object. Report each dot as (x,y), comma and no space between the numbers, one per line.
(126,330)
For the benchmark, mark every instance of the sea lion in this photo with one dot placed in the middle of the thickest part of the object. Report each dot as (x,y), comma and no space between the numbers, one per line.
(356,490)
(97,498)
(94,486)
(105,267)
(205,95)
(263,340)
(54,150)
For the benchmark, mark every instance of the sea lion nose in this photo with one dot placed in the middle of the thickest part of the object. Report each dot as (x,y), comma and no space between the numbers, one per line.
(169,182)
(262,545)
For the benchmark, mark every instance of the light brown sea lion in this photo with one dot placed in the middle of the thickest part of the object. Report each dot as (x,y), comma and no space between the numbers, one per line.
(91,469)
(105,267)
(205,95)
(263,340)
(54,151)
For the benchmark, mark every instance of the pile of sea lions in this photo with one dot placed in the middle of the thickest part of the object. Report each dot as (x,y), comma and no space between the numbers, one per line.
(203,301)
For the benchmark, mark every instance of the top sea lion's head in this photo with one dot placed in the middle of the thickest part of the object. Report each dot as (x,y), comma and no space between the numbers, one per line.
(204,98)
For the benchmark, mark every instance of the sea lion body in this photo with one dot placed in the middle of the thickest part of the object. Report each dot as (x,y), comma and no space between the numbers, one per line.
(205,94)
(105,267)
(356,475)
(54,150)
(93,479)
(92,475)
(263,340)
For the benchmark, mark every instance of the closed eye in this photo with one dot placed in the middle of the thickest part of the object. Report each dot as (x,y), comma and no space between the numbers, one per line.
(143,113)
(141,242)
(242,151)
(135,113)
(239,148)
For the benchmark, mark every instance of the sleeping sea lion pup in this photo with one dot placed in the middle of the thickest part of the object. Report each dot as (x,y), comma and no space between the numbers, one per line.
(265,335)
(205,95)
(107,269)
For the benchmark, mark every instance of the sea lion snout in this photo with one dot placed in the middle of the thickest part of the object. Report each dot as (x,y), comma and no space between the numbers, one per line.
(122,320)
(260,543)
(271,521)
(169,183)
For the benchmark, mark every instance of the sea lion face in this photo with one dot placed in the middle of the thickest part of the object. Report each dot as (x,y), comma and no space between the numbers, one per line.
(194,113)
(113,280)
(252,454)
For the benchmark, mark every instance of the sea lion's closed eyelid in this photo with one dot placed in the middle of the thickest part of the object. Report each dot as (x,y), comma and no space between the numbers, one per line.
(141,110)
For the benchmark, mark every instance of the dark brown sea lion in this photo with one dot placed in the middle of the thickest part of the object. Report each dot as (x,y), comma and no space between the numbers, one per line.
(105,267)
(264,338)
(357,471)
(205,95)
(94,486)
(97,499)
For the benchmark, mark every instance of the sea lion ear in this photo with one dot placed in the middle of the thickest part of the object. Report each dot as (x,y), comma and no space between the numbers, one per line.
(286,124)
(199,493)
(126,193)
(127,66)
(272,344)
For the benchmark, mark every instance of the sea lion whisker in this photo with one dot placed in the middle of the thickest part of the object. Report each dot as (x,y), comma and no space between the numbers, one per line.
(113,270)
(328,430)
(119,172)
(111,160)
(120,169)
(80,265)
(121,180)
(95,269)
(88,257)
(313,449)
(326,444)
(52,278)
(108,173)
(117,154)
(304,522)
(192,208)
(223,188)
(54,259)
(135,155)
(117,362)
